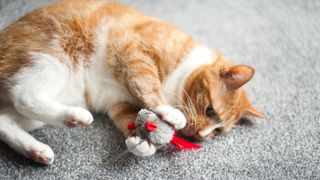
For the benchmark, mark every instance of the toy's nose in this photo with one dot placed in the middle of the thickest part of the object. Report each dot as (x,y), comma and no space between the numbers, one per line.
(150,126)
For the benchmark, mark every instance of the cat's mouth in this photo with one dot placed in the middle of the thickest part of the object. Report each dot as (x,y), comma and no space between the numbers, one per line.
(209,131)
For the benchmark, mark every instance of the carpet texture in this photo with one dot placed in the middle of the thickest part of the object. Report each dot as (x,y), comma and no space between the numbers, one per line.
(280,39)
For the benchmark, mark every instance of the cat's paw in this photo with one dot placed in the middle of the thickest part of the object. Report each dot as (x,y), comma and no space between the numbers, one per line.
(77,116)
(139,148)
(42,154)
(171,115)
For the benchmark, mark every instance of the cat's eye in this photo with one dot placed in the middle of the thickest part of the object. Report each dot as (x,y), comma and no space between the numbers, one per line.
(218,130)
(210,112)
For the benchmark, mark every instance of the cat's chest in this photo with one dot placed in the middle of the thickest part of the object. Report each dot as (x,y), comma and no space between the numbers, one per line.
(103,89)
(72,93)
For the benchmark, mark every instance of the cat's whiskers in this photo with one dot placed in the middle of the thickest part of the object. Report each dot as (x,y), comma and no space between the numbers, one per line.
(192,109)
(191,112)
(183,106)
(190,101)
(184,109)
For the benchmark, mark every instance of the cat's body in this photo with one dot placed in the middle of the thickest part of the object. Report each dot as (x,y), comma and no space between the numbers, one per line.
(58,61)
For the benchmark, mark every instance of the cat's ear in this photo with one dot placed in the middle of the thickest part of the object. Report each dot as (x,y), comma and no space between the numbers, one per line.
(236,76)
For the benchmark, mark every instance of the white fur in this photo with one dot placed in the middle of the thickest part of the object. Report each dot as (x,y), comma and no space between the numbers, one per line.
(44,91)
(171,115)
(208,130)
(13,133)
(139,148)
(48,92)
(104,89)
(36,87)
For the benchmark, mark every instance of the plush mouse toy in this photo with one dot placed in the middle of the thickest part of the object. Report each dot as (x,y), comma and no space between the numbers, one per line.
(151,128)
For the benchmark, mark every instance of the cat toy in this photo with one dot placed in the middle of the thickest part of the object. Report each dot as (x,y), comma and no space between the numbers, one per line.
(149,127)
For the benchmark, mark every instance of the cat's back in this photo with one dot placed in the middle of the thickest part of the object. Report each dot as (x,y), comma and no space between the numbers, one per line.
(67,27)
(42,25)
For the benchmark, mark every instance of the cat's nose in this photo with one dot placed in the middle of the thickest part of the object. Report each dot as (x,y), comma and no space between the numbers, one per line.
(208,131)
(200,137)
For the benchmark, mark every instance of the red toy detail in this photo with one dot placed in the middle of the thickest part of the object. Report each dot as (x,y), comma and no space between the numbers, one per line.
(183,144)
(150,126)
(132,126)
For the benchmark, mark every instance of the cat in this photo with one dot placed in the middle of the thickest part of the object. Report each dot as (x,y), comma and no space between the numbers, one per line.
(61,62)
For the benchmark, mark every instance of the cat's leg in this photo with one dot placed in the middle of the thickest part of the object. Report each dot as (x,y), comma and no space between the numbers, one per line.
(36,88)
(144,83)
(14,134)
(122,114)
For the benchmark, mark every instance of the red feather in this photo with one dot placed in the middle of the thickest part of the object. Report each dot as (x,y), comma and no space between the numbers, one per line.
(183,144)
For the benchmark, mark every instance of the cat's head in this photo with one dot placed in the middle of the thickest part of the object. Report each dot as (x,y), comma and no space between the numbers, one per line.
(214,100)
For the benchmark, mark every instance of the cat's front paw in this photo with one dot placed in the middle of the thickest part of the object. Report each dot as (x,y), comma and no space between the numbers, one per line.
(171,115)
(139,147)
(77,116)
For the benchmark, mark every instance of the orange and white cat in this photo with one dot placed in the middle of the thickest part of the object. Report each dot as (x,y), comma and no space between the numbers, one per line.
(61,61)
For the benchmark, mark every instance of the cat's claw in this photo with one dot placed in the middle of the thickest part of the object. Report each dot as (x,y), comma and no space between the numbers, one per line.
(77,116)
(171,115)
(142,149)
(44,156)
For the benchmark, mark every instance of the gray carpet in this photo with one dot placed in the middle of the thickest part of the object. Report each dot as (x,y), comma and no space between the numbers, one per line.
(281,39)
